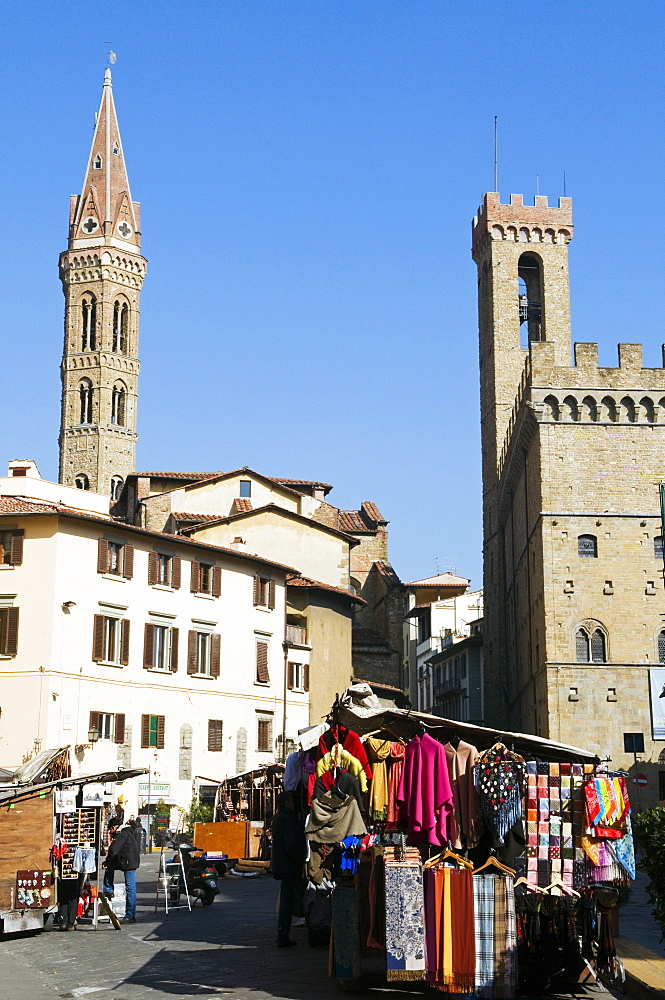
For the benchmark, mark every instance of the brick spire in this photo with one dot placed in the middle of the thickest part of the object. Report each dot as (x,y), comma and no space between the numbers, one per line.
(104,212)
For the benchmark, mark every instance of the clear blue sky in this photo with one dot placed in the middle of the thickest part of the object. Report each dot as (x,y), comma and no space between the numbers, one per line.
(307,173)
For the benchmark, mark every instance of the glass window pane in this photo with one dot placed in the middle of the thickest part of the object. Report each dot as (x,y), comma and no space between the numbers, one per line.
(661,647)
(581,647)
(598,647)
(658,546)
(587,546)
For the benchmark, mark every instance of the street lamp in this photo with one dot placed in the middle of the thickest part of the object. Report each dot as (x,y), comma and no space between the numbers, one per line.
(93,734)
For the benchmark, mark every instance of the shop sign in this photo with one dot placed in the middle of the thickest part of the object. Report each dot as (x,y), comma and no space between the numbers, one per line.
(156,790)
(657,689)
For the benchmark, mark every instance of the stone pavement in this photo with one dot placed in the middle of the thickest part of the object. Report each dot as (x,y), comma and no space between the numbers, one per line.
(226,950)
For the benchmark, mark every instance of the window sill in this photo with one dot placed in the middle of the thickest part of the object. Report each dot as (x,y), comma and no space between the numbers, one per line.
(5,566)
(159,670)
(110,663)
(163,586)
(115,576)
(263,607)
(205,677)
(297,691)
(262,684)
(207,597)
(6,656)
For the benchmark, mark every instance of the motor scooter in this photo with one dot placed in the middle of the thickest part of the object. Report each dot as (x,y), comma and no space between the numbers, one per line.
(201,876)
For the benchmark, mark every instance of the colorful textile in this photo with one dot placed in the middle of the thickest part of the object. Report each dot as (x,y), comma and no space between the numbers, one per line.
(331,819)
(465,823)
(449,929)
(499,778)
(424,795)
(350,741)
(552,835)
(483,904)
(378,751)
(496,936)
(339,757)
(405,930)
(394,778)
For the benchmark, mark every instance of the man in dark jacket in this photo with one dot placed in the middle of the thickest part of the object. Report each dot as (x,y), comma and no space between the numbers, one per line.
(123,855)
(289,849)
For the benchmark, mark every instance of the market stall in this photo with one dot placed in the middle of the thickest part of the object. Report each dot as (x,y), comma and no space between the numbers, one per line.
(470,858)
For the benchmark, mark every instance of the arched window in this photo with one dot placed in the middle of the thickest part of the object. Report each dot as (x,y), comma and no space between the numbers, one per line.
(118,405)
(81,481)
(608,409)
(551,411)
(658,547)
(590,644)
(116,487)
(88,323)
(570,408)
(589,409)
(648,409)
(587,546)
(529,271)
(628,409)
(98,162)
(85,394)
(120,319)
(661,646)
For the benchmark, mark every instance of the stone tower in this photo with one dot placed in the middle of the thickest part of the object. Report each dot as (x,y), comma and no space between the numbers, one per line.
(102,272)
(574,637)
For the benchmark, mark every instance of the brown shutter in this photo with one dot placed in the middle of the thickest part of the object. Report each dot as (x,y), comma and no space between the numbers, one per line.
(290,675)
(174,650)
(215,648)
(94,722)
(175,572)
(152,568)
(98,638)
(124,642)
(145,731)
(216,581)
(102,556)
(271,595)
(128,562)
(215,734)
(148,646)
(196,577)
(16,548)
(191,652)
(306,672)
(257,590)
(120,728)
(160,732)
(262,675)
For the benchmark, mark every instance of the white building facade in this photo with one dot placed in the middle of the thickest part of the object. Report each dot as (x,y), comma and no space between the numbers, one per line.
(138,649)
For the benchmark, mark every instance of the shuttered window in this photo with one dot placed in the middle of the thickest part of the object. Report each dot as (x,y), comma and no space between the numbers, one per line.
(110,640)
(160,648)
(298,676)
(11,547)
(203,653)
(152,731)
(163,570)
(264,734)
(108,726)
(215,730)
(262,674)
(264,592)
(9,631)
(206,579)
(115,558)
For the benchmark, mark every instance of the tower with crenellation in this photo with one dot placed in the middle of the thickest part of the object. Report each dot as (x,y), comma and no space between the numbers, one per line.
(572,458)
(102,272)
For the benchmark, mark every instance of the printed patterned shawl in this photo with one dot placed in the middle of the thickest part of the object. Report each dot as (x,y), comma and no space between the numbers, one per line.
(499,778)
(405,930)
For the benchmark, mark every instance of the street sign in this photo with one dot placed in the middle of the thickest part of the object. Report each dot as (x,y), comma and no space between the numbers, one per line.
(633,742)
(641,780)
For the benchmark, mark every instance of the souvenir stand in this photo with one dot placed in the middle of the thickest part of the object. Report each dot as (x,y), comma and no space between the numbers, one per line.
(476,860)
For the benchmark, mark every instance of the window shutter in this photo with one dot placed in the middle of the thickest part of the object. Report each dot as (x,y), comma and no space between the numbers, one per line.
(262,675)
(215,732)
(160,732)
(145,731)
(94,721)
(196,576)
(306,673)
(102,556)
(191,652)
(120,728)
(175,572)
(257,590)
(128,562)
(215,648)
(271,595)
(291,676)
(16,548)
(216,581)
(124,642)
(148,646)
(174,650)
(98,638)
(152,568)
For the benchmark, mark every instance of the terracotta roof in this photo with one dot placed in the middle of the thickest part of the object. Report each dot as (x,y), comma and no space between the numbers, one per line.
(301,482)
(388,573)
(352,520)
(179,475)
(304,581)
(276,509)
(373,512)
(21,505)
(241,504)
(196,518)
(440,580)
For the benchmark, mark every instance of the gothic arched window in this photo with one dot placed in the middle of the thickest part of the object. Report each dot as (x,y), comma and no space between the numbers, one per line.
(120,320)
(118,405)
(85,394)
(587,546)
(81,482)
(590,644)
(88,323)
(116,487)
(658,547)
(661,646)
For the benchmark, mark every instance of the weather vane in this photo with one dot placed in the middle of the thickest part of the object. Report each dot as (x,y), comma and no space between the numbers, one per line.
(112,56)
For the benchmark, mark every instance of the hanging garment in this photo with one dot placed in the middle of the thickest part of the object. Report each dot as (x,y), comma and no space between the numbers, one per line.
(405,930)
(339,757)
(344,783)
(378,752)
(331,819)
(465,822)
(84,860)
(346,933)
(499,778)
(350,858)
(424,796)
(449,929)
(550,821)
(292,772)
(496,936)
(397,751)
(350,741)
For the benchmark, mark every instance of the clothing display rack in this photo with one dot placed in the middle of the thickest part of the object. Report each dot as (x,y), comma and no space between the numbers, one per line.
(172,882)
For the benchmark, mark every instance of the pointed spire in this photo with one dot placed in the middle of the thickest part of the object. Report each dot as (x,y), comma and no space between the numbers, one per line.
(104,212)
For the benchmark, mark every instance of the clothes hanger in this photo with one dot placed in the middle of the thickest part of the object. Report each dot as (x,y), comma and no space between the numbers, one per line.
(558,888)
(454,739)
(494,862)
(457,858)
(531,887)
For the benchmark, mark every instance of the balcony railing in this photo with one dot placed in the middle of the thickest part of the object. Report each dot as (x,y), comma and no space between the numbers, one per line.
(296,634)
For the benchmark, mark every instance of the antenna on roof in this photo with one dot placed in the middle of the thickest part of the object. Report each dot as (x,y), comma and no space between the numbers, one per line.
(537,184)
(564,183)
(496,152)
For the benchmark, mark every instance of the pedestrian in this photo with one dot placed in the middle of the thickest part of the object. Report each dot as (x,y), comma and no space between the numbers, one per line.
(289,849)
(137,830)
(123,855)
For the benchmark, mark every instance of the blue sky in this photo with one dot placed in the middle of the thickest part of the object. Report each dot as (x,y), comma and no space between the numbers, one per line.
(307,173)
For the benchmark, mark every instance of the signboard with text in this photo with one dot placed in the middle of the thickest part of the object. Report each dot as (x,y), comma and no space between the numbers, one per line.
(155,789)
(657,689)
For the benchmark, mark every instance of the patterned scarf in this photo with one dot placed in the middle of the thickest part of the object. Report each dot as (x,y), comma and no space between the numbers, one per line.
(405,926)
(499,778)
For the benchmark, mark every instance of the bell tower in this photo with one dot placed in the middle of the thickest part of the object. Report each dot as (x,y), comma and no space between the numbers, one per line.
(102,272)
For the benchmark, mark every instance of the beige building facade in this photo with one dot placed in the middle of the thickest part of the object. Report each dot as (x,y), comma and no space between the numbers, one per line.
(572,457)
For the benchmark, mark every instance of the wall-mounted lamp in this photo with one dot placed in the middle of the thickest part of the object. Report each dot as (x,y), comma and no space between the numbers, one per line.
(67,606)
(93,734)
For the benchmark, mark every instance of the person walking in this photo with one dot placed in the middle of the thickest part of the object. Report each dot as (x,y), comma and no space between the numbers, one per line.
(289,849)
(123,855)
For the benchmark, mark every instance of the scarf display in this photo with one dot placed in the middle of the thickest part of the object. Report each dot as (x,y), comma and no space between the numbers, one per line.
(345,933)
(499,778)
(495,936)
(405,930)
(378,752)
(339,757)
(332,819)
(465,823)
(424,796)
(550,820)
(449,929)
(606,837)
(397,751)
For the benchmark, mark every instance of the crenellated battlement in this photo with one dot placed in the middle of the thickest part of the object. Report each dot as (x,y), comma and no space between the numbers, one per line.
(586,372)
(520,223)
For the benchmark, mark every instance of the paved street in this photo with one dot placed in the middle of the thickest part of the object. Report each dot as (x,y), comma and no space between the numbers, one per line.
(225,950)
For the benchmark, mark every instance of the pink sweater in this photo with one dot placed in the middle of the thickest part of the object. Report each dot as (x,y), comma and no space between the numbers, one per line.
(424,795)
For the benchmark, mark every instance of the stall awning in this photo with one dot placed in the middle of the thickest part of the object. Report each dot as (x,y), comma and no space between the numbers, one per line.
(11,794)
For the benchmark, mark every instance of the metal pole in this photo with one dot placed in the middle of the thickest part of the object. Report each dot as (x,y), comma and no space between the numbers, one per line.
(149,844)
(496,152)
(639,800)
